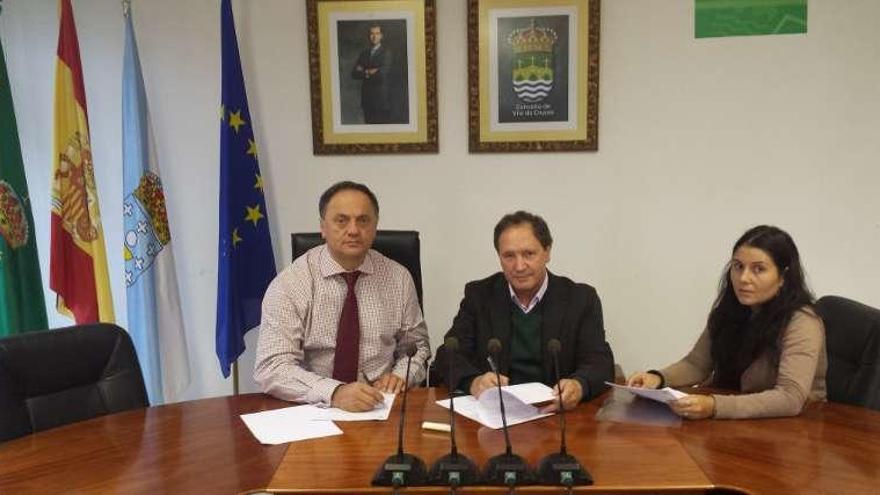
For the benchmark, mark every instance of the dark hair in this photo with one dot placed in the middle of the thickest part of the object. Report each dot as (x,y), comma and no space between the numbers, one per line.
(539,227)
(345,185)
(740,336)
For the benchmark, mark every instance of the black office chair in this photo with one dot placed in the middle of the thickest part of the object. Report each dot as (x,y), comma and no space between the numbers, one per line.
(55,377)
(400,245)
(852,336)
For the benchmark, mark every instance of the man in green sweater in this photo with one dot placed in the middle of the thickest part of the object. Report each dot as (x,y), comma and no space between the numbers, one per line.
(525,306)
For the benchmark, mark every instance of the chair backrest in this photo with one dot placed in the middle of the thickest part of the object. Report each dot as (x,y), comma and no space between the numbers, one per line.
(400,245)
(55,377)
(852,335)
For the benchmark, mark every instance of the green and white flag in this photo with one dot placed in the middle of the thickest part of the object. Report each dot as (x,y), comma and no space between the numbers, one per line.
(719,18)
(22,306)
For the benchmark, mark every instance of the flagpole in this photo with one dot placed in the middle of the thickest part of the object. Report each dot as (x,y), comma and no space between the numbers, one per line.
(235,377)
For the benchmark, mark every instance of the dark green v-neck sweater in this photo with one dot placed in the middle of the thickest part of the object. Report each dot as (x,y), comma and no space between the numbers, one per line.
(526,364)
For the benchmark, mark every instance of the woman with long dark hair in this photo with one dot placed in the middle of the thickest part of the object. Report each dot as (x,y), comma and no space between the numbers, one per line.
(762,338)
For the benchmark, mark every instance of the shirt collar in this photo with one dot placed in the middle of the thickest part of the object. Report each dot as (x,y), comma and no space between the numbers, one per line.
(535,300)
(329,266)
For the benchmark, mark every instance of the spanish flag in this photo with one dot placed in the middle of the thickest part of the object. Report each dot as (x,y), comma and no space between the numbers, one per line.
(78,263)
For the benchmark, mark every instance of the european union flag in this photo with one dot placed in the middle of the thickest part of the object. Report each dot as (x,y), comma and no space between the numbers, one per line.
(245,260)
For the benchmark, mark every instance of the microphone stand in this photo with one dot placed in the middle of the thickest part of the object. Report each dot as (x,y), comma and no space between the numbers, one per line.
(453,469)
(402,469)
(507,469)
(561,468)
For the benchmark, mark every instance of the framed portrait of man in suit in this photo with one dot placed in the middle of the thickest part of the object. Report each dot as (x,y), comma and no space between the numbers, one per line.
(533,69)
(372,68)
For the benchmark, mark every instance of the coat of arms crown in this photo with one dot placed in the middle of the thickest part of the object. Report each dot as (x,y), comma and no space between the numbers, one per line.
(532,39)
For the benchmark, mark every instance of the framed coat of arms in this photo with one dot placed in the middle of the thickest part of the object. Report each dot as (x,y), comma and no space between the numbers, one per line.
(372,71)
(533,68)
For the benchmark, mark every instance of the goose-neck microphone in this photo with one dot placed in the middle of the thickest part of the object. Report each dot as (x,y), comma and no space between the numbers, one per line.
(507,469)
(402,469)
(561,468)
(453,469)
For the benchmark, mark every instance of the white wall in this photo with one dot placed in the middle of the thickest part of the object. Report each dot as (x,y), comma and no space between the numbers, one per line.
(698,140)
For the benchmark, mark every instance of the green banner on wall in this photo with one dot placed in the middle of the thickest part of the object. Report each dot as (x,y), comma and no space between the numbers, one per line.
(716,18)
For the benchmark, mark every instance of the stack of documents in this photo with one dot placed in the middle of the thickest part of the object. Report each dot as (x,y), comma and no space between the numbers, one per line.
(486,409)
(290,424)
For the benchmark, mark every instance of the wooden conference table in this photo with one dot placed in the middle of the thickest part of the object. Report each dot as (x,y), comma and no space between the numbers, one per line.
(203,447)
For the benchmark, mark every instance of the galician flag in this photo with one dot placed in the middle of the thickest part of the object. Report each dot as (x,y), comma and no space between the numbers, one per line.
(78,260)
(154,317)
(22,306)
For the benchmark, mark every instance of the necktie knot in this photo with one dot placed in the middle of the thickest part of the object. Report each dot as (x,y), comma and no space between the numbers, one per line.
(351,278)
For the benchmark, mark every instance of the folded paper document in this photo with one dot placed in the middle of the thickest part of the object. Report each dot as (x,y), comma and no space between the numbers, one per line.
(663,395)
(517,404)
(288,424)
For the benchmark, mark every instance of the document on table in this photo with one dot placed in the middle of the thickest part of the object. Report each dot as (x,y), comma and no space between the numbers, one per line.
(288,424)
(517,404)
(530,393)
(380,413)
(664,395)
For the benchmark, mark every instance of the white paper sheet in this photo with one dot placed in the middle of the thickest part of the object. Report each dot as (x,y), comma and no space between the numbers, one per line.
(288,424)
(530,393)
(517,398)
(517,411)
(380,413)
(664,395)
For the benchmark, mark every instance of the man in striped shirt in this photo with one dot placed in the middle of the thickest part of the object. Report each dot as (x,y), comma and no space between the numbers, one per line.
(304,350)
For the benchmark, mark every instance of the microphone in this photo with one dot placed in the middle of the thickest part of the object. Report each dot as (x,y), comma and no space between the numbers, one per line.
(402,469)
(494,348)
(507,469)
(561,468)
(453,469)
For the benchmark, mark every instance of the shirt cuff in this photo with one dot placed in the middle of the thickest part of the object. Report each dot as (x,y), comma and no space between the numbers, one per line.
(322,391)
(415,371)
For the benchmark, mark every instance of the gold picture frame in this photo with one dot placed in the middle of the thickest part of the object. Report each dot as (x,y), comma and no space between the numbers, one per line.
(369,96)
(533,75)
